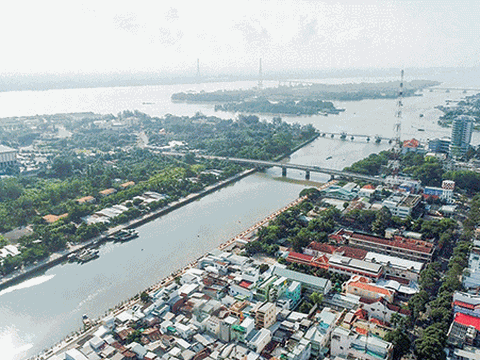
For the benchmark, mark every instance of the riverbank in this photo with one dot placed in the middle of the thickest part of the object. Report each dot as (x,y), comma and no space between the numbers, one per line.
(59,257)
(240,239)
(245,236)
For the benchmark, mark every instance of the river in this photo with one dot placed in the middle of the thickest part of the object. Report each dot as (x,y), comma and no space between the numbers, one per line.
(42,310)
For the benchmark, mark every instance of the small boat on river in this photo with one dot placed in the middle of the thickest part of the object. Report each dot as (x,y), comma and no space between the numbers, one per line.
(125,235)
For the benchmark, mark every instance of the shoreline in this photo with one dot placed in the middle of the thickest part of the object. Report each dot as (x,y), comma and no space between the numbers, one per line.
(70,341)
(246,235)
(57,258)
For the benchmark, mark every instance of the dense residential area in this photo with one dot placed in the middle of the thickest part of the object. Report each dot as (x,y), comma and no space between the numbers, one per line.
(353,270)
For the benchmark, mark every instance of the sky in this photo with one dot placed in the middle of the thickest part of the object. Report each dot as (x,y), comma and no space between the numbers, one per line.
(165,36)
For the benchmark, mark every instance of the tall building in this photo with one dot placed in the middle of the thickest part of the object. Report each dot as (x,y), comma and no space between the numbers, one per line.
(462,128)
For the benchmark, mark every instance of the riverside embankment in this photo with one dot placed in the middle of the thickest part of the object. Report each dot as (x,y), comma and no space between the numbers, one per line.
(245,236)
(59,257)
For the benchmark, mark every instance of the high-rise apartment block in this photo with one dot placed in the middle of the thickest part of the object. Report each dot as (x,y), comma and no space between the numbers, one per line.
(462,128)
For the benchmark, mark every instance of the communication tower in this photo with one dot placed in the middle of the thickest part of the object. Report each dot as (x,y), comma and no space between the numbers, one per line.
(398,115)
(397,147)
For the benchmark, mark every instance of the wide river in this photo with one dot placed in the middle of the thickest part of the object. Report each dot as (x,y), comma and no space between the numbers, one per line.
(41,311)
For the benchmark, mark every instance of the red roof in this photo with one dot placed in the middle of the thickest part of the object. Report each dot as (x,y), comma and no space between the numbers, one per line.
(398,241)
(413,143)
(361,331)
(297,257)
(245,284)
(467,320)
(347,251)
(351,252)
(371,288)
(322,247)
(369,187)
(463,304)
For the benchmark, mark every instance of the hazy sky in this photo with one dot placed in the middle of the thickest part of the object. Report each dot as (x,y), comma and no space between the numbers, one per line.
(168,36)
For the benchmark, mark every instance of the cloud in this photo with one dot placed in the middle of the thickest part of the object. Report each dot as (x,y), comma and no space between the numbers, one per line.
(127,22)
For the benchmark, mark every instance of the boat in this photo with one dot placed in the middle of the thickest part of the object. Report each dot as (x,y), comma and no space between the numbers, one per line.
(421,115)
(328,158)
(343,136)
(125,235)
(85,255)
(378,139)
(421,129)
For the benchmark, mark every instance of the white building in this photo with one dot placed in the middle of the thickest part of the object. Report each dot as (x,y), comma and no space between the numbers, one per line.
(260,340)
(347,343)
(395,266)
(8,156)
(402,205)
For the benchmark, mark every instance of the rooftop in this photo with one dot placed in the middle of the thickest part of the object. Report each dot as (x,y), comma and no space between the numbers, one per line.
(467,320)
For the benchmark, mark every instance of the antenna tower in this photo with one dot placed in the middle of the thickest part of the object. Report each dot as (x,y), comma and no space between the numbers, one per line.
(260,76)
(397,147)
(398,115)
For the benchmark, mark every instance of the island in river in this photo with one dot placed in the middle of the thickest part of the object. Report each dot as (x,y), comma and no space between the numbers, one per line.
(301,99)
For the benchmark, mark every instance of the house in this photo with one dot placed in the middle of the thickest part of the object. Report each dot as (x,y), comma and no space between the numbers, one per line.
(364,288)
(107,192)
(260,340)
(464,330)
(412,145)
(471,278)
(468,304)
(85,199)
(54,218)
(266,315)
(381,309)
(127,184)
(349,343)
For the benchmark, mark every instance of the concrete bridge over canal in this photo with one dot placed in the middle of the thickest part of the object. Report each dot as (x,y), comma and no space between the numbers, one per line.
(307,168)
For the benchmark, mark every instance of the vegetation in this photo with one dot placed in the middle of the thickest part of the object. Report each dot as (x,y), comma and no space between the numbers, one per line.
(263,106)
(340,92)
(98,156)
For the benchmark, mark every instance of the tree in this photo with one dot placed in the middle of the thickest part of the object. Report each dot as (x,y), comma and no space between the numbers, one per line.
(401,342)
(316,298)
(144,297)
(382,221)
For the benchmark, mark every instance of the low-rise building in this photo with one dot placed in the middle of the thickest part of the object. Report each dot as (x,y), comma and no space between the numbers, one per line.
(309,283)
(350,344)
(348,266)
(402,204)
(395,267)
(364,288)
(410,249)
(266,315)
(468,304)
(471,277)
